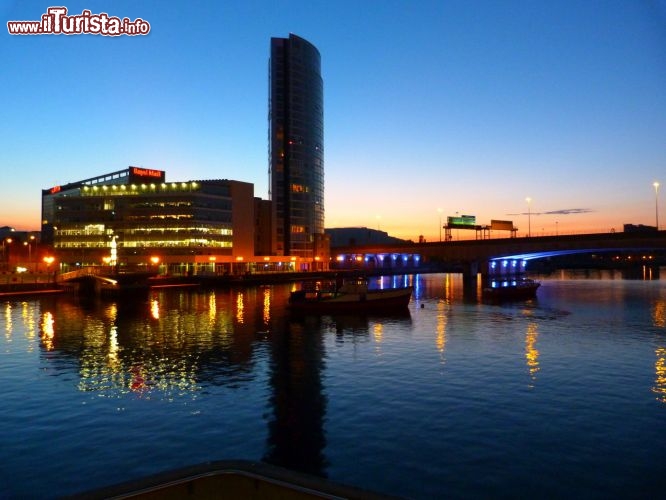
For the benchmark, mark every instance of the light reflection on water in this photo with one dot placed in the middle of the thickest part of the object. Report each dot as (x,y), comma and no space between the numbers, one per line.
(566,393)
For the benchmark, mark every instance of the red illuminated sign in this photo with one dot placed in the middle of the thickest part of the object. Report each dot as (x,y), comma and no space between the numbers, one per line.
(55,189)
(138,174)
(147,172)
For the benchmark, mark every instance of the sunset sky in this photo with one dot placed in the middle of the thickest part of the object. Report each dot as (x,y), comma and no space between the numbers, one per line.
(465,106)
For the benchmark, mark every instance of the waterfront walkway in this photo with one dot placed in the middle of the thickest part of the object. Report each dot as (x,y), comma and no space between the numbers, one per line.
(28,286)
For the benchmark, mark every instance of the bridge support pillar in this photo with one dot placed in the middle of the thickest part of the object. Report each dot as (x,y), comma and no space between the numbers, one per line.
(470,279)
(471,270)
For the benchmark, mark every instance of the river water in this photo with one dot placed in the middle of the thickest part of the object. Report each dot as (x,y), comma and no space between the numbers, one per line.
(560,396)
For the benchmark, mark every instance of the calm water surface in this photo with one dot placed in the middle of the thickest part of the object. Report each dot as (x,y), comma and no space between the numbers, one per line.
(561,396)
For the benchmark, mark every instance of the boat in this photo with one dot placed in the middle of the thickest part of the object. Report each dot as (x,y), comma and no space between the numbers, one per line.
(230,479)
(350,296)
(515,289)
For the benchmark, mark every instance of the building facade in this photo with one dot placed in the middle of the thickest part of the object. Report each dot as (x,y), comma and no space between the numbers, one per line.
(296,146)
(134,217)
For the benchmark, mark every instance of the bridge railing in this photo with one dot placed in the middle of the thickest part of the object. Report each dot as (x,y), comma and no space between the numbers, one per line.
(79,273)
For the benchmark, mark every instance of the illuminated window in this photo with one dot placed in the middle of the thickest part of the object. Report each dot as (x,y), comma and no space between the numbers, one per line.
(297,229)
(94,229)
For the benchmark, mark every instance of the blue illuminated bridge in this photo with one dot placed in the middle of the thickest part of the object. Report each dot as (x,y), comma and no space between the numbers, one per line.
(492,257)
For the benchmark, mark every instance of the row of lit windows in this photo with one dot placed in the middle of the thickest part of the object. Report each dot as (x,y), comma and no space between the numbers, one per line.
(89,229)
(187,243)
(156,217)
(162,230)
(192,242)
(80,244)
(162,204)
(100,229)
(126,189)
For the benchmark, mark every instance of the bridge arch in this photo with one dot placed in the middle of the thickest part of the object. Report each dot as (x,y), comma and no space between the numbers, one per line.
(517,263)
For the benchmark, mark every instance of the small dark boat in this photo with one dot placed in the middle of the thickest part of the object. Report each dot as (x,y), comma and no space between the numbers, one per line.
(351,296)
(517,289)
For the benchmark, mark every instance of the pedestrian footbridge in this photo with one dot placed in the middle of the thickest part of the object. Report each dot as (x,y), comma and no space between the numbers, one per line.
(103,280)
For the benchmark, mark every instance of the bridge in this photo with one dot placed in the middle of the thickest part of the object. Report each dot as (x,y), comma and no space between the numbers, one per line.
(492,257)
(106,281)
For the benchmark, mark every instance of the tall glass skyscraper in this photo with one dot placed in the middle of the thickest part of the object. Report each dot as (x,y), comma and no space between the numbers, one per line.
(296,146)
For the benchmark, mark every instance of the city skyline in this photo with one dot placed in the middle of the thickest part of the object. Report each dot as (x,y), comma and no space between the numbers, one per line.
(432,108)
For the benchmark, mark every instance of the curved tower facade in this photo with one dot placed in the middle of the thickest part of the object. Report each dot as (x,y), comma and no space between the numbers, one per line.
(296,146)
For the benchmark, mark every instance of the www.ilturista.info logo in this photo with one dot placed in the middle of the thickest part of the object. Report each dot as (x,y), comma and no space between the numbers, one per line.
(57,22)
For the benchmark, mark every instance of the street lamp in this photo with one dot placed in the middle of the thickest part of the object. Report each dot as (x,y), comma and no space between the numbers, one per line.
(439,210)
(529,216)
(29,245)
(5,242)
(49,260)
(656,203)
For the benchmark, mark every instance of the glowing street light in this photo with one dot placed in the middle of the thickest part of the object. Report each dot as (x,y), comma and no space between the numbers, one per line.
(656,203)
(48,260)
(529,216)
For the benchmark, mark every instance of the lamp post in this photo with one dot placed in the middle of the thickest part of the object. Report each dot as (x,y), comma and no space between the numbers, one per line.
(49,260)
(656,203)
(5,257)
(439,210)
(29,245)
(529,216)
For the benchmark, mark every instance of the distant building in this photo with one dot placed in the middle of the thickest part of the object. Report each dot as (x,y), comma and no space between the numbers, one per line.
(19,249)
(360,236)
(638,228)
(6,231)
(296,146)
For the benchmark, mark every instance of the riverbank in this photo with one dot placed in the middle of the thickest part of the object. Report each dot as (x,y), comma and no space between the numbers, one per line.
(9,290)
(21,289)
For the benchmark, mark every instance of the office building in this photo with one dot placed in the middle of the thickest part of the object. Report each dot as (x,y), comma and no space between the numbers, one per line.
(134,217)
(296,147)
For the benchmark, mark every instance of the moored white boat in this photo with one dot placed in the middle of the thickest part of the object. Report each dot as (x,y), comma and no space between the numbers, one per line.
(516,289)
(351,296)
